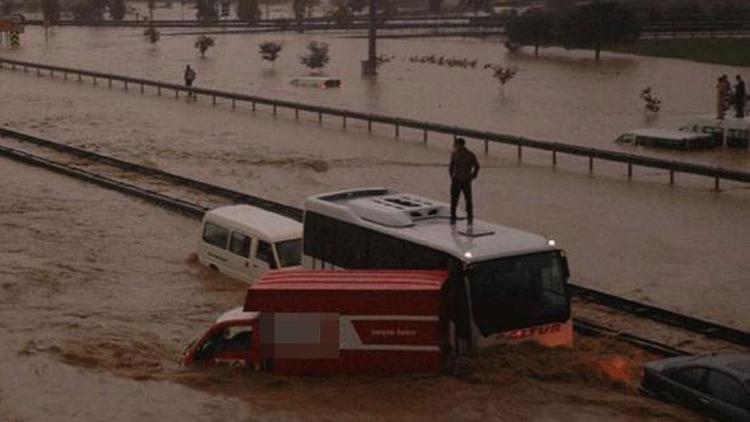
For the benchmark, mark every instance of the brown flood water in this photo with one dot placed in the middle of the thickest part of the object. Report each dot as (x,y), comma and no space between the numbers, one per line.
(98,297)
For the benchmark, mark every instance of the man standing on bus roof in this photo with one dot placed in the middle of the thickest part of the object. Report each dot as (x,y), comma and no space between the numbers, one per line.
(463,168)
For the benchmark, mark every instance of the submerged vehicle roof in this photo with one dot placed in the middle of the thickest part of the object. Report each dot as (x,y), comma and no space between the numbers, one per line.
(666,133)
(271,226)
(425,222)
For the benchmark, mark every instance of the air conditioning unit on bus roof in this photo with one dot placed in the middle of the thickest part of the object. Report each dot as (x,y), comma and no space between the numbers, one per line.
(398,210)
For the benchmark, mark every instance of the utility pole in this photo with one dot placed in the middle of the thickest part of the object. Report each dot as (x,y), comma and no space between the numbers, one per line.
(370,66)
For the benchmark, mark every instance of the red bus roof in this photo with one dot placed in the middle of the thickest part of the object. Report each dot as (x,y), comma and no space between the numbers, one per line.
(362,292)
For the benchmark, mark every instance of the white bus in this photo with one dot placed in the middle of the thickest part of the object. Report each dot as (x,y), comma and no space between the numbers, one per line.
(506,285)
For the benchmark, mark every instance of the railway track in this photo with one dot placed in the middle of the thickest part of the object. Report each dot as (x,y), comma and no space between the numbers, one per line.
(596,313)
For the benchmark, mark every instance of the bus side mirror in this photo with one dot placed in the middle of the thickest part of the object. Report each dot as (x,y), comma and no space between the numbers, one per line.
(565,269)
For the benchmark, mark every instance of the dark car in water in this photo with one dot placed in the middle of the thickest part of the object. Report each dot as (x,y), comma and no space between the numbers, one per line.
(717,385)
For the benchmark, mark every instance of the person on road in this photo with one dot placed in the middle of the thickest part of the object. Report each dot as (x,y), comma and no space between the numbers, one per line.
(723,92)
(463,168)
(740,96)
(189,77)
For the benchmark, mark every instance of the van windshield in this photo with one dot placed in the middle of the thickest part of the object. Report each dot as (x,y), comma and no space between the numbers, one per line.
(289,252)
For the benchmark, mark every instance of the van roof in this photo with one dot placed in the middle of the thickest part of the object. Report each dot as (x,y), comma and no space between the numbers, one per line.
(667,133)
(349,292)
(425,222)
(255,221)
(352,280)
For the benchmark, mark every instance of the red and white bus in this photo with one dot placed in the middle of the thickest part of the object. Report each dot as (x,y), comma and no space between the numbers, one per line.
(506,285)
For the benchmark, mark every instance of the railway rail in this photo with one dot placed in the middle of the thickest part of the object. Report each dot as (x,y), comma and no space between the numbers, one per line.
(195,197)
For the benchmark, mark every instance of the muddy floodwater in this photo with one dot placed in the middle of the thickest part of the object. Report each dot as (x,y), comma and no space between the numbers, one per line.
(98,296)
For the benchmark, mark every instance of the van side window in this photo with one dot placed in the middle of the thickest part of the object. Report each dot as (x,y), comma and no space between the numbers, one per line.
(239,244)
(215,235)
(264,253)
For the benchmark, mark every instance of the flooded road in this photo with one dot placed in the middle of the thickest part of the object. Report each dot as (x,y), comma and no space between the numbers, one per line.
(98,297)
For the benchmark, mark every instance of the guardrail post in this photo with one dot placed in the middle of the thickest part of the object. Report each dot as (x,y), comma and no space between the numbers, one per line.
(110,82)
(671,175)
(520,153)
(79,77)
(369,125)
(296,113)
(65,75)
(424,136)
(141,88)
(274,109)
(554,157)
(126,85)
(213,99)
(591,162)
(630,171)
(486,146)
(716,183)
(158,90)
(253,105)
(234,103)
(343,122)
(94,80)
(396,127)
(320,117)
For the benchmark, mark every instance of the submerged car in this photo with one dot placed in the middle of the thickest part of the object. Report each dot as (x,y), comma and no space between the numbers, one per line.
(669,139)
(717,385)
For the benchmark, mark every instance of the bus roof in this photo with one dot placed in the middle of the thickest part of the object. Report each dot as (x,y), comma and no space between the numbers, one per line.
(270,226)
(425,222)
(730,122)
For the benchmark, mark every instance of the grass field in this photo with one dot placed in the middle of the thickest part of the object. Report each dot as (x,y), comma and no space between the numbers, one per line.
(728,51)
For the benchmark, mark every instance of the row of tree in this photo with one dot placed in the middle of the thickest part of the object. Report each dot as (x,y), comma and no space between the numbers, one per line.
(592,25)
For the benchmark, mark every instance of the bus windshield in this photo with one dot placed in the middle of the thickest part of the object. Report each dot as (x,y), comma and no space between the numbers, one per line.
(289,252)
(516,292)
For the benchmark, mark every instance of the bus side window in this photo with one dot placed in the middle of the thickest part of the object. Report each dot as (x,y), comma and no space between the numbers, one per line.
(264,253)
(422,258)
(385,251)
(350,246)
(239,244)
(215,235)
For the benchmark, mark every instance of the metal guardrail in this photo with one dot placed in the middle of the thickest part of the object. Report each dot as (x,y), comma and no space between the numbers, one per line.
(631,160)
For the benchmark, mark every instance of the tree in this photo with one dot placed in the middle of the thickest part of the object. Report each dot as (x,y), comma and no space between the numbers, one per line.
(206,11)
(317,55)
(533,28)
(152,34)
(151,6)
(89,10)
(340,12)
(248,10)
(298,10)
(202,43)
(7,7)
(269,50)
(117,9)
(595,25)
(51,10)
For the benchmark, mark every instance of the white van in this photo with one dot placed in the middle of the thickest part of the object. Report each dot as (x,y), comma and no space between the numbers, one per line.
(730,131)
(244,242)
(666,138)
